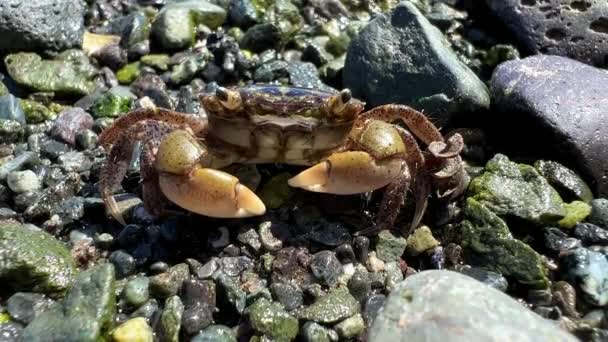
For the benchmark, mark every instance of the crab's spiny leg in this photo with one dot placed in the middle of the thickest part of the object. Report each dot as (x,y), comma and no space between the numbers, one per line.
(120,157)
(196,123)
(417,122)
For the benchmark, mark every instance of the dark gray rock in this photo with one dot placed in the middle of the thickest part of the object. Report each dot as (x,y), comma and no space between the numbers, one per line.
(557,241)
(400,57)
(25,306)
(41,24)
(591,234)
(261,37)
(326,267)
(290,296)
(124,263)
(599,212)
(576,29)
(306,75)
(492,279)
(569,185)
(564,102)
(456,300)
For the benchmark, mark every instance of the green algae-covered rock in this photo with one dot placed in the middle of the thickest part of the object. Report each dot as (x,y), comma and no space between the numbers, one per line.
(65,75)
(115,102)
(390,247)
(31,259)
(85,314)
(128,73)
(36,112)
(487,243)
(171,320)
(421,240)
(576,212)
(508,188)
(440,306)
(133,330)
(335,306)
(272,320)
(157,61)
(276,191)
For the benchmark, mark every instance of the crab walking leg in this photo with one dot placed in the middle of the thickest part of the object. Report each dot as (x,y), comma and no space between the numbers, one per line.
(123,124)
(120,156)
(347,173)
(187,179)
(417,122)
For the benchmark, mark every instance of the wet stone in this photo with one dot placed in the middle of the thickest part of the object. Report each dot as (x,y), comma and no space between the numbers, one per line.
(170,320)
(154,87)
(345,254)
(270,319)
(576,212)
(216,333)
(314,332)
(270,71)
(361,246)
(53,149)
(197,317)
(306,75)
(146,310)
(330,234)
(359,284)
(25,306)
(420,241)
(588,270)
(288,295)
(372,306)
(261,37)
(10,109)
(115,102)
(570,185)
(70,122)
(23,181)
(243,13)
(558,241)
(272,235)
(390,247)
(136,291)
(170,282)
(393,275)
(331,308)
(591,234)
(250,238)
(208,269)
(74,161)
(326,267)
(599,212)
(350,327)
(234,266)
(123,262)
(291,266)
(232,289)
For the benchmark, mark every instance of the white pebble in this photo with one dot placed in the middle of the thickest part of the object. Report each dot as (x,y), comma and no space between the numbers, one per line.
(22,181)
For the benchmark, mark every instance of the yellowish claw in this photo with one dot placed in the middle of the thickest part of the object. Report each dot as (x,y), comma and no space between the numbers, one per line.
(348,173)
(211,193)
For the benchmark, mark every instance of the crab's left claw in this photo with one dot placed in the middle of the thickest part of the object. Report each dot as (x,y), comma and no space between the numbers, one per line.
(348,173)
(211,193)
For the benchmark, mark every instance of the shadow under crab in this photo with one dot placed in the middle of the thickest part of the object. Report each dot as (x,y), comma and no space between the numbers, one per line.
(349,151)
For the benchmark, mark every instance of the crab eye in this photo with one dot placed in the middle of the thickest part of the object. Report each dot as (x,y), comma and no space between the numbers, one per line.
(337,103)
(231,99)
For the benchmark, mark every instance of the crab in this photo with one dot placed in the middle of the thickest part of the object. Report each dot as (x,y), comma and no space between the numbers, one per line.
(346,151)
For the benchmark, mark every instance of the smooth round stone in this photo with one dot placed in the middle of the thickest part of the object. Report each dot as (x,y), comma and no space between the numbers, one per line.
(123,262)
(599,212)
(588,271)
(133,330)
(23,181)
(350,327)
(360,285)
(361,246)
(159,267)
(476,309)
(136,291)
(24,306)
(560,99)
(345,254)
(326,267)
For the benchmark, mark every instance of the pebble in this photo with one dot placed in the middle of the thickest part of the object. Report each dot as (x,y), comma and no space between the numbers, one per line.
(71,122)
(10,109)
(250,238)
(374,264)
(314,332)
(393,275)
(136,291)
(492,279)
(350,327)
(291,266)
(345,254)
(390,247)
(16,163)
(133,330)
(561,99)
(326,267)
(215,333)
(270,319)
(23,181)
(359,284)
(261,37)
(590,234)
(388,51)
(10,331)
(569,185)
(450,296)
(361,246)
(599,212)
(557,241)
(123,262)
(420,241)
(148,310)
(289,296)
(372,306)
(219,238)
(588,270)
(168,284)
(333,307)
(170,320)
(25,306)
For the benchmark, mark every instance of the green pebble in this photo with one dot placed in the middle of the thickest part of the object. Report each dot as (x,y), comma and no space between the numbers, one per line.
(36,112)
(112,104)
(128,73)
(576,212)
(272,320)
(136,291)
(421,240)
(314,332)
(350,327)
(171,320)
(390,247)
(4,317)
(133,330)
(157,61)
(335,306)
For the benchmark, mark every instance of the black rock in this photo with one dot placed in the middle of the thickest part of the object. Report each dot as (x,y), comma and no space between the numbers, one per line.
(326,267)
(242,13)
(556,241)
(361,245)
(124,263)
(345,254)
(41,25)
(290,296)
(576,29)
(331,234)
(261,37)
(591,234)
(270,71)
(154,87)
(306,75)
(360,285)
(399,57)
(560,100)
(112,56)
(197,317)
(372,306)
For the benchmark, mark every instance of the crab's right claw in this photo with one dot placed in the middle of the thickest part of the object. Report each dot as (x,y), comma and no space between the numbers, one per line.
(211,193)
(348,173)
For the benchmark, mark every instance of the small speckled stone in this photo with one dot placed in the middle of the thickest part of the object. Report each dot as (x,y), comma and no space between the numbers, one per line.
(170,320)
(133,330)
(333,307)
(215,333)
(314,332)
(350,327)
(361,247)
(269,241)
(168,284)
(251,239)
(288,295)
(326,267)
(136,291)
(390,247)
(372,305)
(421,240)
(22,181)
(393,275)
(270,319)
(599,212)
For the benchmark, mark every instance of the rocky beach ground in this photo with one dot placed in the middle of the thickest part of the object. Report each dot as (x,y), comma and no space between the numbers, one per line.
(522,255)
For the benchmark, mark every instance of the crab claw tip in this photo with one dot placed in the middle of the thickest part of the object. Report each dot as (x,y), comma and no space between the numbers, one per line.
(311,178)
(248,203)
